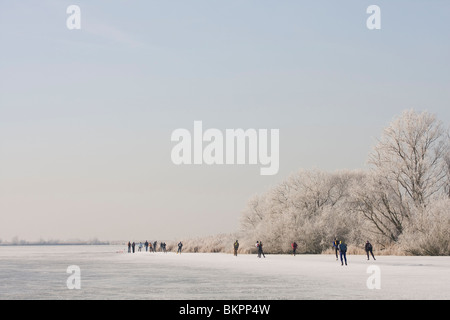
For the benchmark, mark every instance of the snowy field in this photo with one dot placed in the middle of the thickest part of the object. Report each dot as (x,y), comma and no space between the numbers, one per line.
(39,272)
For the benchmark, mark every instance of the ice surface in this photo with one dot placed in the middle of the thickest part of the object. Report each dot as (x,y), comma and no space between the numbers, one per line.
(39,272)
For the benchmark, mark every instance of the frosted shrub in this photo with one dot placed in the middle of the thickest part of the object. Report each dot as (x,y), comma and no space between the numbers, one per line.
(428,232)
(310,208)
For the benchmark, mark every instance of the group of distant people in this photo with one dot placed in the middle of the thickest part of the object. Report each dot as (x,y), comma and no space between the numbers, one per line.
(258,245)
(149,247)
(339,246)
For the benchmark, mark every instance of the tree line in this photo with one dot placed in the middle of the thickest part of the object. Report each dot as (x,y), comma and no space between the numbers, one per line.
(401,202)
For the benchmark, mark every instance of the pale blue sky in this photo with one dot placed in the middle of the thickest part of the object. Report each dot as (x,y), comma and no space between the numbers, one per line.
(86,115)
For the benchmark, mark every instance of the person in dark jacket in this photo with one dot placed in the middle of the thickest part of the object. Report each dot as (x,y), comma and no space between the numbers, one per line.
(260,250)
(129,247)
(294,247)
(236,247)
(133,245)
(180,246)
(369,249)
(336,247)
(343,252)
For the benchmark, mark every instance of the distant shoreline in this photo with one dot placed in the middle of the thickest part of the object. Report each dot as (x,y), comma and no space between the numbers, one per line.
(54,244)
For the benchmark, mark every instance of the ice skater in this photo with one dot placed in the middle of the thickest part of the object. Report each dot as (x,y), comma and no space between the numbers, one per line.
(129,247)
(133,246)
(294,247)
(236,247)
(369,249)
(336,247)
(260,250)
(180,246)
(343,252)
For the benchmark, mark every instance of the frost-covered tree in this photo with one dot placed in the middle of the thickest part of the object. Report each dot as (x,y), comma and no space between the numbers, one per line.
(409,169)
(253,214)
(379,204)
(428,232)
(447,166)
(309,207)
(411,156)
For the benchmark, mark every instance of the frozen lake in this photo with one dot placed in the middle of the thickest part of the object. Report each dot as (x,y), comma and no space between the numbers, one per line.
(39,272)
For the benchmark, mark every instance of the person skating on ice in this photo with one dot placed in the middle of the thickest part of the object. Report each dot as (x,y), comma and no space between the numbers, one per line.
(294,247)
(336,247)
(260,250)
(236,247)
(343,252)
(369,250)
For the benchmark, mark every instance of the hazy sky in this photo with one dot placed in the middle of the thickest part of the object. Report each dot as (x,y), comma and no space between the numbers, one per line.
(86,115)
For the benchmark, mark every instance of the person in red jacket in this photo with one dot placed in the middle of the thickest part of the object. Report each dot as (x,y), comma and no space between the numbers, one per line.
(294,247)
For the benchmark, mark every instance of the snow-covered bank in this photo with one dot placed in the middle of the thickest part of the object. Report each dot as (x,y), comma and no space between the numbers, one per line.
(106,273)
